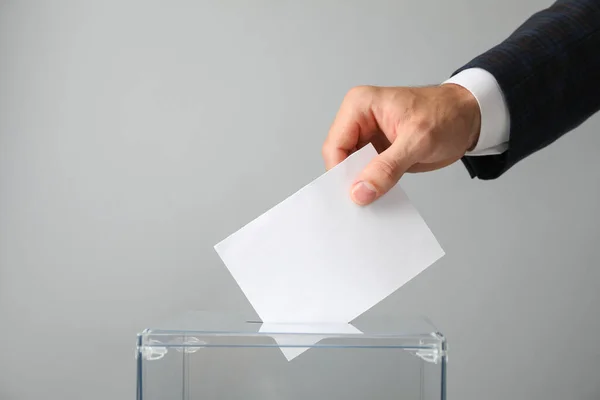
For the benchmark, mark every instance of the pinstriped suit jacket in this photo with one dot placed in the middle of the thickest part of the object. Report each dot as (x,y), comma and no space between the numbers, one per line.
(549,73)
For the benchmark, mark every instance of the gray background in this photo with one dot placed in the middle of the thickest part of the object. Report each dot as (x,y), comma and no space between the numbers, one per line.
(135,135)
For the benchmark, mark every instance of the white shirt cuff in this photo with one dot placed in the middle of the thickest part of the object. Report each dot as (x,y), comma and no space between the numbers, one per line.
(495,119)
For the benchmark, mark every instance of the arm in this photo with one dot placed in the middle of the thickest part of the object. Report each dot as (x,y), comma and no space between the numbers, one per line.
(548,72)
(515,99)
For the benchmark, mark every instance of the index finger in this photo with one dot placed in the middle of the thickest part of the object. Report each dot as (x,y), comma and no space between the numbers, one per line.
(353,124)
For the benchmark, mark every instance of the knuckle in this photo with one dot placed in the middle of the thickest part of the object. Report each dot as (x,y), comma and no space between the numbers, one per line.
(386,169)
(358,92)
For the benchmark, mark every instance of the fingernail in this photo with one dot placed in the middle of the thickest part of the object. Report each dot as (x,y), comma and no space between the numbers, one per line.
(363,193)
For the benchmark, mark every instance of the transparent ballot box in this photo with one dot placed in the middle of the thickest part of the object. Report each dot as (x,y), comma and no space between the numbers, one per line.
(209,356)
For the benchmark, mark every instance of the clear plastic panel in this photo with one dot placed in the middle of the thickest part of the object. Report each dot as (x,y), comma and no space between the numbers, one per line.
(202,356)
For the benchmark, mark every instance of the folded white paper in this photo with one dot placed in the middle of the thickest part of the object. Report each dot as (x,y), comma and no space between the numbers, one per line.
(318,257)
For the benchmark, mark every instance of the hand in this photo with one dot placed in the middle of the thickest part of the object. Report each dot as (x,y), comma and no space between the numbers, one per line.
(412,129)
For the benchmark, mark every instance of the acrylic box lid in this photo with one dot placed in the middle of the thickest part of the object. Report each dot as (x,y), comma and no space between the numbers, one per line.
(199,329)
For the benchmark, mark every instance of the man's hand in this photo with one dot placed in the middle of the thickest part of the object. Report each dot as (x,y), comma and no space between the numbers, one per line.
(413,129)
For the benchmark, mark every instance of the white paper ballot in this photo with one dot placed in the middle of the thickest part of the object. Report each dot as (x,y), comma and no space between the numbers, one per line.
(296,336)
(318,257)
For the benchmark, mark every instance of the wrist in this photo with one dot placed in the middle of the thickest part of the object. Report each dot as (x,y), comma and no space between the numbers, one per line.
(468,108)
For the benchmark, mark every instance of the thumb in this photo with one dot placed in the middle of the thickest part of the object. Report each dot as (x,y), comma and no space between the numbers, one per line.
(381,174)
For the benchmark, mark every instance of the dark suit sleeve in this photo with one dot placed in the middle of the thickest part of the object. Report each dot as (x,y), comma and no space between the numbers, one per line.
(549,73)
